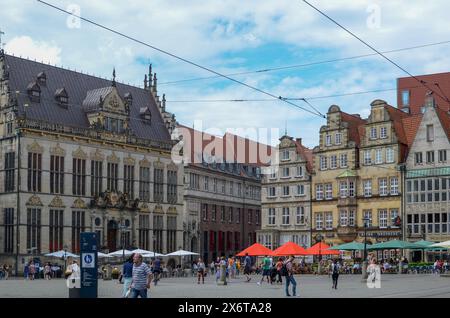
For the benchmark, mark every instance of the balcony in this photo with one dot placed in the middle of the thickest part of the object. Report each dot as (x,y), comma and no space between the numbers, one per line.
(347,233)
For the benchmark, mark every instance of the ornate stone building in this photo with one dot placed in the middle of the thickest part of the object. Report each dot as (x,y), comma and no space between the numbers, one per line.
(286,197)
(427,195)
(80,153)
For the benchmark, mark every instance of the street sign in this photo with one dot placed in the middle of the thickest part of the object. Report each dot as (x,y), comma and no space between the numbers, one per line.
(88,249)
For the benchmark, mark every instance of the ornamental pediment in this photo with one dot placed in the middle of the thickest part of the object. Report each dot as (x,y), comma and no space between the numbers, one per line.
(57,202)
(112,158)
(79,204)
(35,147)
(79,154)
(97,155)
(129,161)
(57,151)
(34,200)
(145,163)
(114,103)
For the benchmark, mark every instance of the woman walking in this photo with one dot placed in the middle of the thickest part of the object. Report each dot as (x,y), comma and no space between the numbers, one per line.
(127,275)
(200,271)
(335,269)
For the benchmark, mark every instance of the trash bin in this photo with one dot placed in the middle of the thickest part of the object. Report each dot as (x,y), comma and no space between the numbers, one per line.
(74,287)
(74,292)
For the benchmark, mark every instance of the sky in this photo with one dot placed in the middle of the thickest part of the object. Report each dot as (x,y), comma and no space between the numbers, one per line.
(232,36)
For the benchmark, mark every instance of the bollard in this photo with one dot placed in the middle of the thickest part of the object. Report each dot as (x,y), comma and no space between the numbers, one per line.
(223,275)
(365,275)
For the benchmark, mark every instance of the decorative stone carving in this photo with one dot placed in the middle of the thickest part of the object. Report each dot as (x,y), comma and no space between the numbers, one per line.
(145,163)
(79,204)
(172,167)
(113,158)
(158,209)
(129,161)
(158,164)
(57,203)
(34,200)
(35,147)
(79,154)
(144,208)
(172,210)
(57,151)
(97,155)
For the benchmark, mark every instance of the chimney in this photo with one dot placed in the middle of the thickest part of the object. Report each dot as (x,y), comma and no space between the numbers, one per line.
(299,140)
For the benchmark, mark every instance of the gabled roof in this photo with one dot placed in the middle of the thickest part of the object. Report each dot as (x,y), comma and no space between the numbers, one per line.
(355,125)
(306,153)
(397,116)
(444,118)
(23,71)
(411,126)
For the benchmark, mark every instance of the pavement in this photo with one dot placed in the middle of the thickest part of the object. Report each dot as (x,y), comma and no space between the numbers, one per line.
(308,286)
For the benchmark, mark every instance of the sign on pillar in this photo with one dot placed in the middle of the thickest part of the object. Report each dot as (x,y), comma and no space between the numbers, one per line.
(89,263)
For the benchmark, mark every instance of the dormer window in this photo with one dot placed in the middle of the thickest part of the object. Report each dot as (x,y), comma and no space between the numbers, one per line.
(145,114)
(34,92)
(62,97)
(42,78)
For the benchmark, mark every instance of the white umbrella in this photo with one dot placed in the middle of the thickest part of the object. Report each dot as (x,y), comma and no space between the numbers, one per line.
(139,251)
(61,254)
(152,254)
(102,255)
(182,253)
(442,244)
(120,253)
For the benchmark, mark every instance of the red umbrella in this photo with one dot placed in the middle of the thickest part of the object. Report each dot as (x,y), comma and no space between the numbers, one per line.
(256,250)
(321,249)
(289,248)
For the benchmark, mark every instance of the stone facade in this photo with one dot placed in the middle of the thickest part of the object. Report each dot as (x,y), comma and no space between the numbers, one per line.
(286,197)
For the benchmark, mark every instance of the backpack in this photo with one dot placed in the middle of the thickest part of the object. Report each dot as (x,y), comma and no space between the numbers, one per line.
(284,271)
(335,269)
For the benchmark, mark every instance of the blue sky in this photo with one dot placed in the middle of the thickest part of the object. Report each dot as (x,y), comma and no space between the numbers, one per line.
(234,36)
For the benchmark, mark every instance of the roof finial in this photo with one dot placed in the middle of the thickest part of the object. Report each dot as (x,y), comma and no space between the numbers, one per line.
(154,83)
(163,104)
(114,78)
(1,44)
(150,75)
(285,128)
(145,81)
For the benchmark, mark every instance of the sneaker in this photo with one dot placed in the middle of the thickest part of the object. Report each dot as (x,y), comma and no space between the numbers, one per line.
(288,295)
(258,283)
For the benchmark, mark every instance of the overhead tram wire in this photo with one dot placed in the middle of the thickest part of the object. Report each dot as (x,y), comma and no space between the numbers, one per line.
(373,48)
(182,59)
(281,68)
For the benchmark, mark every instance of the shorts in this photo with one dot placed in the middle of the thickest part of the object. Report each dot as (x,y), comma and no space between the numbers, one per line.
(266,272)
(247,271)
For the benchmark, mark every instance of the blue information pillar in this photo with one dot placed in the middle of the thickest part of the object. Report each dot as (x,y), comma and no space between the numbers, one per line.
(89,273)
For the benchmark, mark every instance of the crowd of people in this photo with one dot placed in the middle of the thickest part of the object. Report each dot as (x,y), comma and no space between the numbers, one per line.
(5,271)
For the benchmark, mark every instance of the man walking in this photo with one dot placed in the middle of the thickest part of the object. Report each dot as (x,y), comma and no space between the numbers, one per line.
(247,267)
(267,264)
(335,269)
(290,276)
(142,277)
(156,270)
(127,275)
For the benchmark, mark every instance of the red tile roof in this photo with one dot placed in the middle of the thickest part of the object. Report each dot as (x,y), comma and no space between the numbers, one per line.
(355,125)
(306,153)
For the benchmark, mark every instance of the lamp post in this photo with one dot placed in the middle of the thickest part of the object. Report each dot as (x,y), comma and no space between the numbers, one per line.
(365,263)
(122,239)
(319,239)
(65,256)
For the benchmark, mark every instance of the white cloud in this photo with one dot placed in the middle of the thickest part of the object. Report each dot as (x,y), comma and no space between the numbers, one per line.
(39,50)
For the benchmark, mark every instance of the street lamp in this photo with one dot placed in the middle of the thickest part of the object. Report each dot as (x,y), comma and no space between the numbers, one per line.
(364,265)
(319,239)
(65,256)
(122,239)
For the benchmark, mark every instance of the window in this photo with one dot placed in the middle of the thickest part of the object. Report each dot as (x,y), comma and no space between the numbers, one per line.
(394,215)
(194,181)
(34,231)
(222,215)
(285,191)
(112,177)
(379,156)
(8,221)
(323,163)
(214,213)
(351,189)
(128,180)
(286,172)
(158,226)
(430,133)
(367,188)
(367,218)
(344,160)
(172,181)
(285,155)
(328,191)
(215,185)
(328,221)
(96,178)
(382,187)
(419,159)
(394,186)
(319,221)
(300,189)
(351,218)
(333,162)
(382,219)
(343,218)
(206,183)
(383,132)
(328,140)
(10,165)
(338,138)
(271,216)
(257,217)
(285,216)
(272,192)
(78,226)
(442,155)
(56,226)
(390,155)
(405,98)
(430,156)
(34,172)
(223,185)
(373,133)
(239,190)
(300,216)
(79,177)
(319,191)
(343,189)
(144,184)
(367,157)
(299,171)
(249,215)
(171,235)
(204,212)
(158,185)
(144,231)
